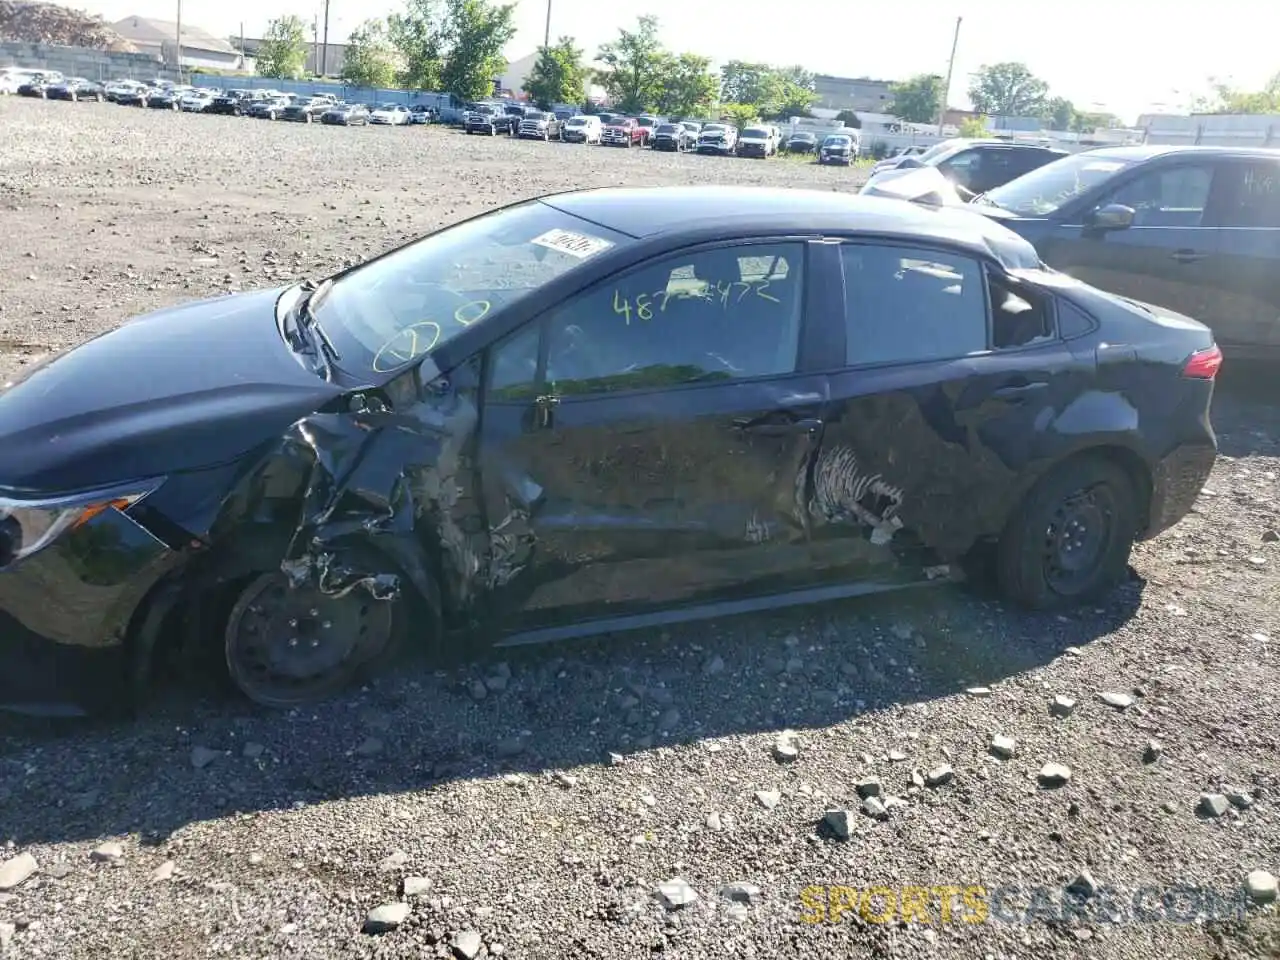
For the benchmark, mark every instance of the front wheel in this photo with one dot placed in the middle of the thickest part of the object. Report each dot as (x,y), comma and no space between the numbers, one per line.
(286,646)
(1070,540)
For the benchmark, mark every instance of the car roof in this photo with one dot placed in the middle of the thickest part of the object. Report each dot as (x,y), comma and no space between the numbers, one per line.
(1150,151)
(649,211)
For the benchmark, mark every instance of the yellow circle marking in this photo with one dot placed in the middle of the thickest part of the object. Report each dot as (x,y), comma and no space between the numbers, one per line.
(408,344)
(472,311)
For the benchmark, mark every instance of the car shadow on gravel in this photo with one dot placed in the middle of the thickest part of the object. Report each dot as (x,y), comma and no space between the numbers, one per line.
(194,756)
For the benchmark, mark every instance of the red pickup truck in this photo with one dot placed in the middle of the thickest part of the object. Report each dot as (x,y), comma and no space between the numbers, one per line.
(623,133)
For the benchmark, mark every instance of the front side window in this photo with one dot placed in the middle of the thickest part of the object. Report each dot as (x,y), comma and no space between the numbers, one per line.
(906,305)
(1168,197)
(395,309)
(711,315)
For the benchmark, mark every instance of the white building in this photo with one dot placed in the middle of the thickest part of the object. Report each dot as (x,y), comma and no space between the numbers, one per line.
(199,48)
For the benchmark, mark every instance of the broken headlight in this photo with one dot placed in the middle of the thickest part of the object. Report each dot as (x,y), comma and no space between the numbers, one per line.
(27,526)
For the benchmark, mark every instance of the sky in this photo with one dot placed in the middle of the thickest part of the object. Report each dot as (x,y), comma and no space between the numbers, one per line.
(1123,56)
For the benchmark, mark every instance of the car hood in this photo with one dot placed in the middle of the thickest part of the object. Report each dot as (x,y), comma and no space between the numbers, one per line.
(926,184)
(181,389)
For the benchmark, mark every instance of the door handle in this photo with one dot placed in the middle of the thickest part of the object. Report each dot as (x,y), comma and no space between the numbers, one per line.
(1018,390)
(542,412)
(774,428)
(1187,256)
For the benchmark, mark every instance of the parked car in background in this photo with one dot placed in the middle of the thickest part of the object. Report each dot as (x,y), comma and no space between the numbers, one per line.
(1192,229)
(76,88)
(37,83)
(168,98)
(490,119)
(974,167)
(420,113)
(623,132)
(674,137)
(112,89)
(648,124)
(269,109)
(756,141)
(718,138)
(582,129)
(306,109)
(875,390)
(196,101)
(346,114)
(11,78)
(802,141)
(232,103)
(389,115)
(538,125)
(135,96)
(838,148)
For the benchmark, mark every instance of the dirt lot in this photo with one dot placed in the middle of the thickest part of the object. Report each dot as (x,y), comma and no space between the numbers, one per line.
(486,799)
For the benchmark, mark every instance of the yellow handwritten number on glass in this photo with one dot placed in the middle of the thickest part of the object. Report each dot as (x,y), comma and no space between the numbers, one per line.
(408,344)
(622,305)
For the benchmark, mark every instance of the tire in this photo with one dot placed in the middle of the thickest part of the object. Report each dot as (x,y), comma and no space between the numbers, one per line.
(1087,504)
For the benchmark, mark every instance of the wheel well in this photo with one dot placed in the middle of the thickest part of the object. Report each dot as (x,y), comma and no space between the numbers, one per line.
(1132,464)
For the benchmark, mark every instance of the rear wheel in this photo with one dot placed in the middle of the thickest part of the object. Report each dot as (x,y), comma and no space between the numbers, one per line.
(287,646)
(1070,540)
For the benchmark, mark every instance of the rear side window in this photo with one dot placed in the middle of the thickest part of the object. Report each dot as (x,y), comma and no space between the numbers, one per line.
(907,305)
(1247,195)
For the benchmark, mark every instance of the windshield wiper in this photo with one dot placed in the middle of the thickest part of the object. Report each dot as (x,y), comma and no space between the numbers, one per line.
(309,335)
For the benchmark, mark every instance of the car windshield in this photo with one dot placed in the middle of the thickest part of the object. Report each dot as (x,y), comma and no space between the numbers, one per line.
(803,136)
(713,128)
(388,106)
(754,133)
(667,128)
(837,141)
(578,122)
(396,308)
(938,149)
(1045,189)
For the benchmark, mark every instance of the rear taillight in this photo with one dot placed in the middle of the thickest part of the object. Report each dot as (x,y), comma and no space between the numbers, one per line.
(1203,364)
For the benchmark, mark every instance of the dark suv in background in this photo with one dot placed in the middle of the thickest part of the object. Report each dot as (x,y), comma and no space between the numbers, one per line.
(1192,229)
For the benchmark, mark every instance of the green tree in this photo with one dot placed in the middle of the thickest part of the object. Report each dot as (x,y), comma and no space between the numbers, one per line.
(1008,90)
(477,31)
(284,49)
(917,99)
(739,114)
(798,75)
(370,60)
(974,127)
(689,88)
(850,119)
(634,63)
(757,84)
(793,100)
(1228,99)
(558,75)
(420,33)
(1059,113)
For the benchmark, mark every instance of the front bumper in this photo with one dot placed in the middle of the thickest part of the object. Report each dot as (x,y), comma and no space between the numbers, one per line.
(752,151)
(716,147)
(843,158)
(65,613)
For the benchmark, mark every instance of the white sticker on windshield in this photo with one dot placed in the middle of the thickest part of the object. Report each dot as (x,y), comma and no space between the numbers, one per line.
(1106,166)
(578,245)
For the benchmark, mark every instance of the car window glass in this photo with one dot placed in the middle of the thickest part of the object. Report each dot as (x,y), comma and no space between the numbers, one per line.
(906,305)
(1249,195)
(1171,197)
(720,314)
(1019,316)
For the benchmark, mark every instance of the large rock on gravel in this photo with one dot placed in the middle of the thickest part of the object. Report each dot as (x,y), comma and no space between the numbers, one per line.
(108,852)
(839,822)
(1054,775)
(466,945)
(16,870)
(939,776)
(1213,805)
(386,918)
(1261,886)
(1003,747)
(768,798)
(201,757)
(740,892)
(1062,706)
(787,747)
(675,893)
(7,930)
(1120,701)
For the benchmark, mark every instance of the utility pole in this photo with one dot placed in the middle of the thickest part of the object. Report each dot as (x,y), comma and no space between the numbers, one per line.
(951,64)
(315,43)
(178,42)
(324,44)
(546,37)
(241,44)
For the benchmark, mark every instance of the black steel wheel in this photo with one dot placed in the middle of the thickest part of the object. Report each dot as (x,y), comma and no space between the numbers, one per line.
(1070,540)
(287,646)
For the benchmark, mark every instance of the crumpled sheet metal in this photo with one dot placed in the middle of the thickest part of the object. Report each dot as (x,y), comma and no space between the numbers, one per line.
(375,478)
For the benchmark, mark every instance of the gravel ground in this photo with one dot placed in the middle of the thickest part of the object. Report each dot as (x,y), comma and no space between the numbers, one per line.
(536,806)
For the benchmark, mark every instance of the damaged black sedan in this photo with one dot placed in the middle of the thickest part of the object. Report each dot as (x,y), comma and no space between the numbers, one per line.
(582,414)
